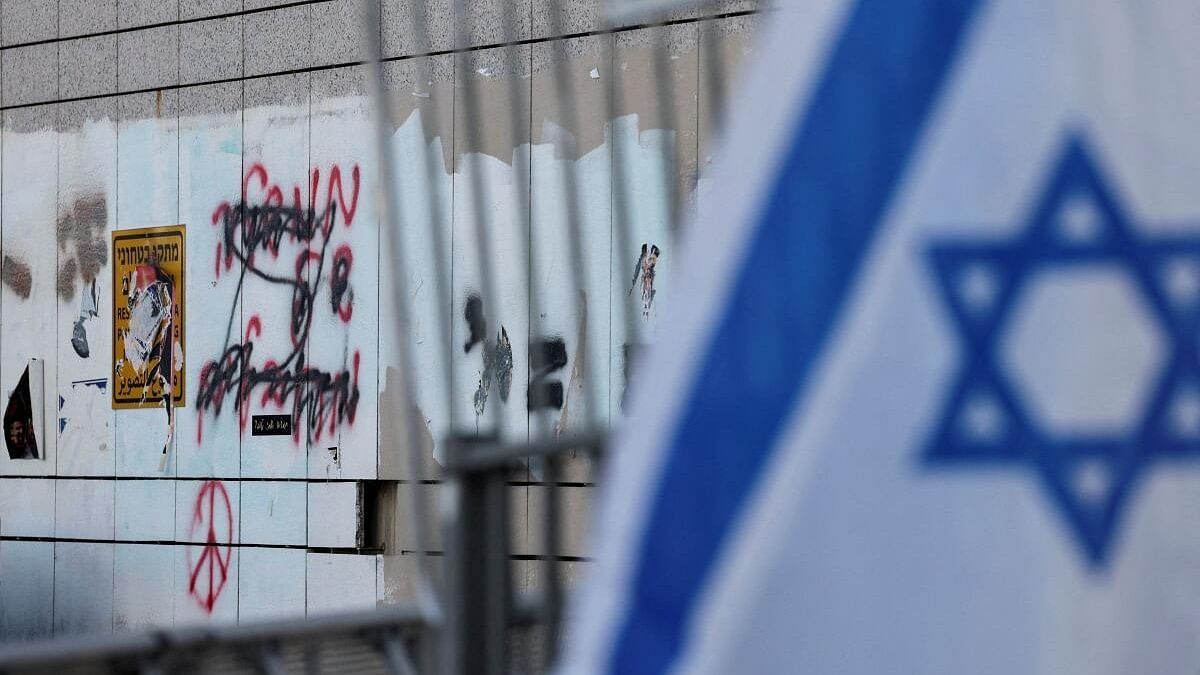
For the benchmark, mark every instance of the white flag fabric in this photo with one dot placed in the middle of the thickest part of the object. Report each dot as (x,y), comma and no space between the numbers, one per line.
(931,401)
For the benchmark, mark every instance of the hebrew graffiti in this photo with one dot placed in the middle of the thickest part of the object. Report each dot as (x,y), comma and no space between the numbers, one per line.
(546,357)
(645,269)
(209,572)
(285,245)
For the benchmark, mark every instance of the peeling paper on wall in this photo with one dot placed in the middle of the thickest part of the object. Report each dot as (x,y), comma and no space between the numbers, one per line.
(83,417)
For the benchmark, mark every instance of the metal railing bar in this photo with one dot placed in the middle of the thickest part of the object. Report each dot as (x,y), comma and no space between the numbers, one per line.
(621,217)
(551,591)
(565,95)
(714,70)
(486,455)
(442,250)
(428,596)
(479,189)
(395,655)
(667,120)
(132,645)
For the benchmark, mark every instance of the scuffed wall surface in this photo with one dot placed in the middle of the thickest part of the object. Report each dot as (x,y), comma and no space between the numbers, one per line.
(253,129)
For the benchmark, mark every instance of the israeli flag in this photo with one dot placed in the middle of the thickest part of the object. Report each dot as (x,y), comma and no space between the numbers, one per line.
(931,403)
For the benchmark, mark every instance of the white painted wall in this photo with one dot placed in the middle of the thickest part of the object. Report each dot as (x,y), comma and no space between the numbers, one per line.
(127,544)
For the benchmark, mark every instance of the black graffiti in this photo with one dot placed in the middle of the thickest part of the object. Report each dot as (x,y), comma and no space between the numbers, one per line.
(318,397)
(546,357)
(497,356)
(341,296)
(252,235)
(476,322)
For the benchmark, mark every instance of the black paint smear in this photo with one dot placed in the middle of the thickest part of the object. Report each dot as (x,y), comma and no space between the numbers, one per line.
(251,231)
(545,357)
(476,322)
(546,395)
(340,283)
(315,393)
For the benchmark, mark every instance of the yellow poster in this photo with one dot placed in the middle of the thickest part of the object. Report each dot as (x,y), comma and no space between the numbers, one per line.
(148,317)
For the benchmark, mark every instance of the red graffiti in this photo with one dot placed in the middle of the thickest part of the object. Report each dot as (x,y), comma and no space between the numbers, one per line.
(210,572)
(262,224)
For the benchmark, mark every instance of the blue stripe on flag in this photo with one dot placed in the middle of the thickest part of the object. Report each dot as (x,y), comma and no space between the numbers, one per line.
(834,183)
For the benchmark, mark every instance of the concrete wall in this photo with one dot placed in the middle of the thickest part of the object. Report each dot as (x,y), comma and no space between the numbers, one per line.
(124,114)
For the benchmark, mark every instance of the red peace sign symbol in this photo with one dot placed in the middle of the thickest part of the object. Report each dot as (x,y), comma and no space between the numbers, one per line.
(210,572)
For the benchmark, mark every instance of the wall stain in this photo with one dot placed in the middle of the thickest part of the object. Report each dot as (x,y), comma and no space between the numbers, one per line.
(66,278)
(476,322)
(81,232)
(393,434)
(17,276)
(497,356)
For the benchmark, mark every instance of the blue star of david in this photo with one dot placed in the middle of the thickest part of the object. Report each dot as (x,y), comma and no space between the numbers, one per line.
(985,421)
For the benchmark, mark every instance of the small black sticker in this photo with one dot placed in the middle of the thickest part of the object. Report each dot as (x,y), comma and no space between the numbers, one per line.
(271,425)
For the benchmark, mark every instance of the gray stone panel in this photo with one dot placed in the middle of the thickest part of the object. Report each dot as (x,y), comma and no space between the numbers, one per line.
(146,12)
(280,90)
(30,74)
(148,59)
(399,37)
(24,120)
(278,40)
(574,16)
(259,4)
(195,9)
(81,17)
(210,99)
(72,115)
(87,66)
(163,104)
(337,82)
(210,50)
(337,32)
(492,22)
(727,6)
(23,21)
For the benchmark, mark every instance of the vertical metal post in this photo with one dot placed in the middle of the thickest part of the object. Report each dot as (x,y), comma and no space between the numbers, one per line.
(426,592)
(395,656)
(477,552)
(551,590)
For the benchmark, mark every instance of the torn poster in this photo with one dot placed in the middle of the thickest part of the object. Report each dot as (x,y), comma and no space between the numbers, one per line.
(148,324)
(23,414)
